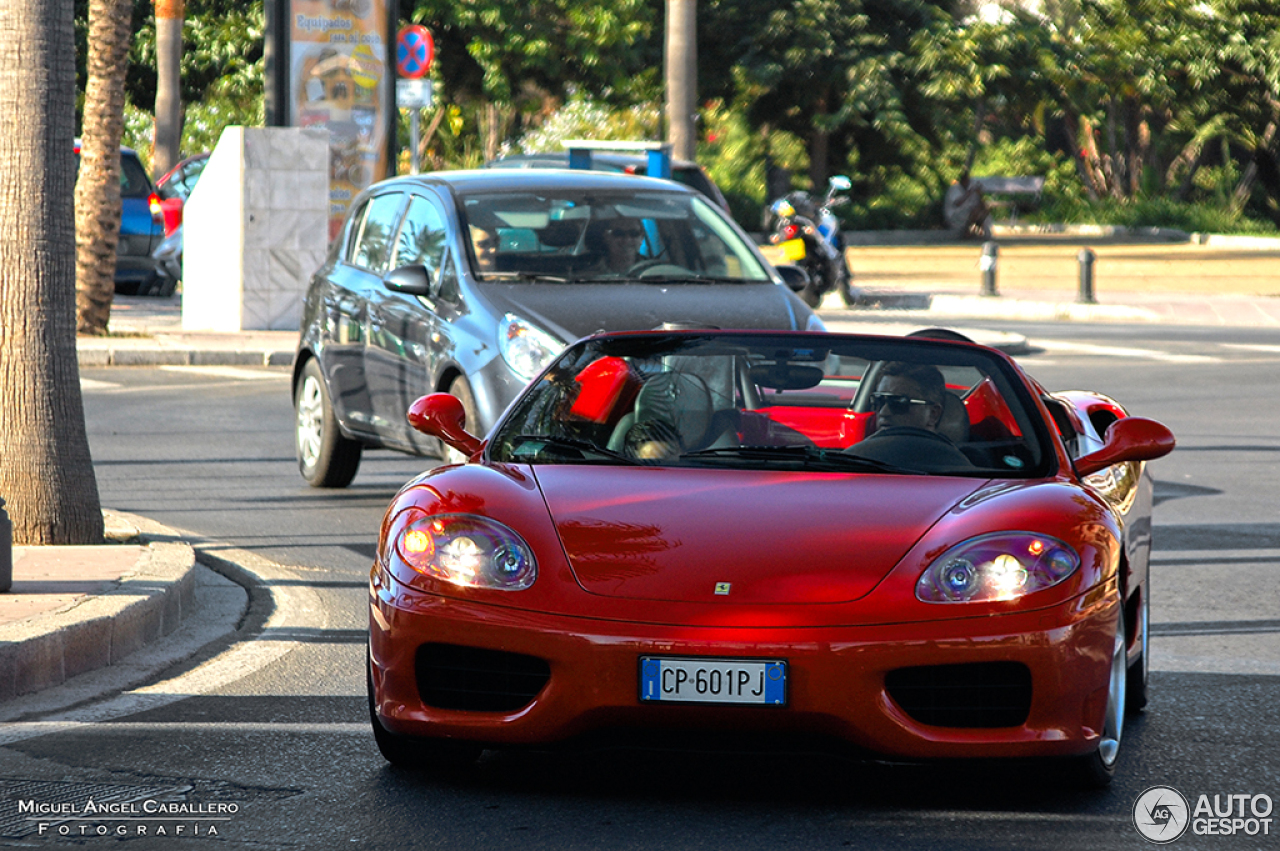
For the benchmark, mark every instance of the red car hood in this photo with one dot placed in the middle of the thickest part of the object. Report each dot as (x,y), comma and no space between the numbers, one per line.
(739,536)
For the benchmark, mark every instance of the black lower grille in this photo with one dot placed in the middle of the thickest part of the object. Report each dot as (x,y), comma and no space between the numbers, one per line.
(455,677)
(979,694)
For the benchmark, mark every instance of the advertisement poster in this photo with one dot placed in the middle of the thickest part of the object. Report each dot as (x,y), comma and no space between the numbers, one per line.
(340,81)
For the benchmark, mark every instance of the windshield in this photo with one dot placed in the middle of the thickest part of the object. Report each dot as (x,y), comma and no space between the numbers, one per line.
(829,403)
(606,236)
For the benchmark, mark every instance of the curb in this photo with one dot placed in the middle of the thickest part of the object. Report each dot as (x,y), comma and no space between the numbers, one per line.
(153,355)
(147,604)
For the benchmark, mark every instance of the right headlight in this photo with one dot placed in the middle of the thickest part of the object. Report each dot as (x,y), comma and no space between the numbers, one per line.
(998,566)
(526,348)
(466,550)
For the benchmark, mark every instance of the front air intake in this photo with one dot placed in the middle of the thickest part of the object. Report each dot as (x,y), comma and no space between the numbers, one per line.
(470,678)
(979,694)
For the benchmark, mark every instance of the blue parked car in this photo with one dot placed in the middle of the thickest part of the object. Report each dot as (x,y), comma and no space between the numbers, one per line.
(141,230)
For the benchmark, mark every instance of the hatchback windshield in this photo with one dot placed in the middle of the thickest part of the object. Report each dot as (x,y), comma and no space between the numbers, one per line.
(788,402)
(606,236)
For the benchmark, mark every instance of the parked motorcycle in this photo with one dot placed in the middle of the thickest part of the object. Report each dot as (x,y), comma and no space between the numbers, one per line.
(809,236)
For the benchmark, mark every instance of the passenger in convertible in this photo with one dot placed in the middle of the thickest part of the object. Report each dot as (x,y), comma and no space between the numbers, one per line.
(910,402)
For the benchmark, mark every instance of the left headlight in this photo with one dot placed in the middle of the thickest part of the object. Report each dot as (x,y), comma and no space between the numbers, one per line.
(467,550)
(999,566)
(526,348)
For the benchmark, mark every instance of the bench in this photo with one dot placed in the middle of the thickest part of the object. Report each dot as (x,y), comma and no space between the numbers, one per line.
(1031,186)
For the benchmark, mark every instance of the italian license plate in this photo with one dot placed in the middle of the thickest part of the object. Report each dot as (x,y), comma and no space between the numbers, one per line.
(722,681)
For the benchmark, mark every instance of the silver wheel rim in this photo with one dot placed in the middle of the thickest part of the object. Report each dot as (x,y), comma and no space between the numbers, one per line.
(310,424)
(1113,723)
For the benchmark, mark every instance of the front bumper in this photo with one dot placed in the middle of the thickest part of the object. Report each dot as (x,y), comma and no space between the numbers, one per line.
(836,677)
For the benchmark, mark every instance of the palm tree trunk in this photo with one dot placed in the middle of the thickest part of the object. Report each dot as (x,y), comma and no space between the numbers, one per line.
(98,188)
(46,473)
(168,145)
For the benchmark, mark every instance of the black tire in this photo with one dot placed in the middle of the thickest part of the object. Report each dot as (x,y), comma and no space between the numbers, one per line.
(1098,769)
(1137,690)
(165,286)
(809,295)
(411,752)
(462,390)
(326,459)
(844,284)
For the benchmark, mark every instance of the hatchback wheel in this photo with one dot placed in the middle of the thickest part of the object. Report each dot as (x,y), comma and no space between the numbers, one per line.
(326,459)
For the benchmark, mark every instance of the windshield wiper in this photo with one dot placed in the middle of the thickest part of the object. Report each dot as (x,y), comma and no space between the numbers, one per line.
(810,457)
(523,276)
(572,444)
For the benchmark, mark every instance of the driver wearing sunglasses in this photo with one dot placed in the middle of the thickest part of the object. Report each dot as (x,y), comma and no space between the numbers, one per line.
(908,403)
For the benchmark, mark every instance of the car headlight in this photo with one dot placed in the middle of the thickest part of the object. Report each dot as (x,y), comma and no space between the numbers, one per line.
(999,566)
(526,348)
(471,551)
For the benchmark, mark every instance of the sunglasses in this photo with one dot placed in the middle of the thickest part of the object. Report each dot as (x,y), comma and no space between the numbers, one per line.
(895,403)
(626,234)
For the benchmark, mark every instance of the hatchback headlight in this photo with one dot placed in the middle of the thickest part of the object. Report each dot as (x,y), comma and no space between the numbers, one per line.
(999,566)
(526,348)
(471,551)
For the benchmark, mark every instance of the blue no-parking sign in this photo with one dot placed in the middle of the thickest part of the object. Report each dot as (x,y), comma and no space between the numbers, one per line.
(414,51)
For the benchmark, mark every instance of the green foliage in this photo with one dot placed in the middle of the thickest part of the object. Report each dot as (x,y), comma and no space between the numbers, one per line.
(585,118)
(1149,213)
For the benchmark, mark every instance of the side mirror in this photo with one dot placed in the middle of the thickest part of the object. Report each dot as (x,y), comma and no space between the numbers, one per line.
(1128,439)
(410,280)
(442,415)
(840,182)
(794,277)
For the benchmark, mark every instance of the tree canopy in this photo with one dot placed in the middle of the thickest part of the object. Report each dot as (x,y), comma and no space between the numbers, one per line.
(1117,102)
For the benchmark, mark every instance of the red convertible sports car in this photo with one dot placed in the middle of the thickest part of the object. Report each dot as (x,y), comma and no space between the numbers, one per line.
(904,544)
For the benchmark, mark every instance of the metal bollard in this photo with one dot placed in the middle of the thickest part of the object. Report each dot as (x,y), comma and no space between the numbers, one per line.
(990,259)
(6,549)
(1086,258)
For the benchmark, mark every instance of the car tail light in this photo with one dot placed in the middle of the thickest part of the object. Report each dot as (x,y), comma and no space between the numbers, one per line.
(631,170)
(157,212)
(790,231)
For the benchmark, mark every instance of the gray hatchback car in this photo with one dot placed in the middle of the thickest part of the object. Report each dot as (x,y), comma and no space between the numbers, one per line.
(471,282)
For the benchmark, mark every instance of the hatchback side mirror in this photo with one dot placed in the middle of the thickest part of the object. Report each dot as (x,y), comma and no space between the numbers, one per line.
(410,280)
(442,415)
(794,277)
(1128,439)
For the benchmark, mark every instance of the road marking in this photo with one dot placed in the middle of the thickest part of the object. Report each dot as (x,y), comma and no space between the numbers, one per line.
(91,384)
(1064,346)
(238,373)
(1251,347)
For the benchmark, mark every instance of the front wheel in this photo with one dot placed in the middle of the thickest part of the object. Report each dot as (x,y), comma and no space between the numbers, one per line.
(844,283)
(1098,768)
(326,458)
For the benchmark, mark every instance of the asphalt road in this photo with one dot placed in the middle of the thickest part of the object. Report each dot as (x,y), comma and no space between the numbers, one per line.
(278,731)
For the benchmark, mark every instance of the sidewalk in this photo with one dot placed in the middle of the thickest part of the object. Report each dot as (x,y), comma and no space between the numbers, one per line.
(74,609)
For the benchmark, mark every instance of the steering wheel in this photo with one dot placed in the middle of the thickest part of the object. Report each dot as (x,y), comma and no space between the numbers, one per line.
(637,268)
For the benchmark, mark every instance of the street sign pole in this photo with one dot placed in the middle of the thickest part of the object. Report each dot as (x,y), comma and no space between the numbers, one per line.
(415,118)
(414,51)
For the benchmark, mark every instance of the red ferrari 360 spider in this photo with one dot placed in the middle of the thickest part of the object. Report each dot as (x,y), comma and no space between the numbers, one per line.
(903,544)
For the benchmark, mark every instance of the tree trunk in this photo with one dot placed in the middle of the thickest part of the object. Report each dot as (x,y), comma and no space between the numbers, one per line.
(98,188)
(46,473)
(168,146)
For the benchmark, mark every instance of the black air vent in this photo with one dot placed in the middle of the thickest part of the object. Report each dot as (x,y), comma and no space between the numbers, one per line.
(469,678)
(981,694)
